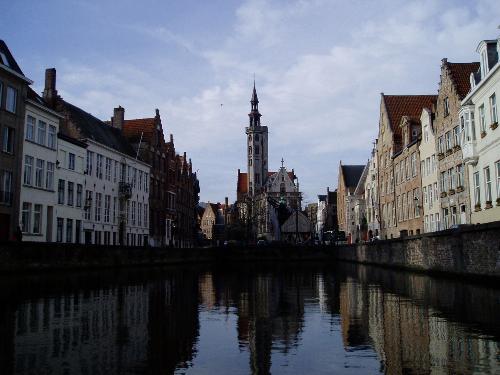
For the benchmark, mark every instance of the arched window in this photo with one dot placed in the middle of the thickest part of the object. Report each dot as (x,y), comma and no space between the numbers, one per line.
(249,150)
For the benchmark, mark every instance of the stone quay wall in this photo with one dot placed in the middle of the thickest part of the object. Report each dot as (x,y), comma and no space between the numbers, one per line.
(472,250)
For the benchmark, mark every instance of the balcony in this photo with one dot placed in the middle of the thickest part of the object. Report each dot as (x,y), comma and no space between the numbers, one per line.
(469,152)
(125,190)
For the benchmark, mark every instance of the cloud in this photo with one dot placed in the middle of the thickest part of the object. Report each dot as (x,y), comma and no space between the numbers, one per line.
(320,68)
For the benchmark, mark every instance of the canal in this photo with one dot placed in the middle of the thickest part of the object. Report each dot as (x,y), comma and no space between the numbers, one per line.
(247,319)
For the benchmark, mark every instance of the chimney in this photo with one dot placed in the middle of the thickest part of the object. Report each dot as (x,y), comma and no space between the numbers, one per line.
(157,112)
(226,201)
(50,92)
(171,138)
(118,118)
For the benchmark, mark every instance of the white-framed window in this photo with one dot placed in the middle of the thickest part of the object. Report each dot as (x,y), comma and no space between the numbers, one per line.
(482,120)
(456,136)
(26,217)
(69,230)
(49,178)
(6,187)
(431,195)
(59,231)
(88,205)
(51,140)
(39,172)
(460,175)
(107,206)
(449,140)
(115,170)
(79,195)
(146,215)
(428,166)
(146,182)
(71,193)
(98,169)
(37,218)
(60,191)
(446,106)
(493,108)
(441,144)
(139,214)
(71,161)
(133,212)
(487,184)
(41,133)
(30,128)
(115,200)
(426,133)
(431,223)
(90,162)
(8,139)
(433,163)
(28,169)
(477,189)
(424,190)
(426,224)
(497,168)
(11,100)
(98,204)
(108,169)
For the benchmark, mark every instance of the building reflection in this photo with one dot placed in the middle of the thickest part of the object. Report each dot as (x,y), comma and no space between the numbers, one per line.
(407,331)
(148,327)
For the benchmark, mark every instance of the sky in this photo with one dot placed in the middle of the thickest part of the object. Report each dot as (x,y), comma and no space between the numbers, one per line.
(319,67)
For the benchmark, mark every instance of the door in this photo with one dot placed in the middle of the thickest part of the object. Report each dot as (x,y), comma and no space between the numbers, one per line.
(4,227)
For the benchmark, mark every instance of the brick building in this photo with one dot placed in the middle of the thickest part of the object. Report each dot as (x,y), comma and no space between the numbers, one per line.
(13,93)
(348,179)
(390,143)
(453,178)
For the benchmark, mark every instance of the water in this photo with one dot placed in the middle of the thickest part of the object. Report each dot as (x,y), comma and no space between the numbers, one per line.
(251,319)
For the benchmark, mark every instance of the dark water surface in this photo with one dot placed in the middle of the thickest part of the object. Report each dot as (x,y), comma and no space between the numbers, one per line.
(252,319)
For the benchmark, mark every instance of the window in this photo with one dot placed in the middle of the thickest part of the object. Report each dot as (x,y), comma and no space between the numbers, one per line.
(8,140)
(249,150)
(107,206)
(497,167)
(51,141)
(146,214)
(133,213)
(78,229)
(460,175)
(426,133)
(59,232)
(414,164)
(424,190)
(493,108)
(37,219)
(433,163)
(139,215)
(71,161)
(88,204)
(98,203)
(114,209)
(257,150)
(98,169)
(115,170)
(108,169)
(39,172)
(26,217)
(71,192)
(146,182)
(41,132)
(49,178)
(477,189)
(441,144)
(456,136)
(431,195)
(482,121)
(69,230)
(30,128)
(6,188)
(60,191)
(487,184)
(428,166)
(448,140)
(11,101)
(90,162)
(446,107)
(28,170)
(416,200)
(79,195)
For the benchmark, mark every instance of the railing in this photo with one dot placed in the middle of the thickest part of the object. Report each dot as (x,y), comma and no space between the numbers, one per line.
(6,197)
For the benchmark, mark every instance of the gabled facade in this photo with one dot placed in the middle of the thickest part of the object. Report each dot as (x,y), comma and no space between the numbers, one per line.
(371,196)
(429,172)
(390,142)
(479,117)
(348,179)
(453,180)
(13,93)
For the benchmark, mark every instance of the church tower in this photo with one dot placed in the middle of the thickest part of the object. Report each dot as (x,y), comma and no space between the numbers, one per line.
(256,148)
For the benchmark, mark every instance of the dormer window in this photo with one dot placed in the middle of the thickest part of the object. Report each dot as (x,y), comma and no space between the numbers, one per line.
(472,81)
(484,62)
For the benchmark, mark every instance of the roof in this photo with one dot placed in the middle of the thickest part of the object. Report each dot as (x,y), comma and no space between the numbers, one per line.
(398,106)
(132,129)
(94,129)
(10,61)
(460,74)
(242,183)
(352,174)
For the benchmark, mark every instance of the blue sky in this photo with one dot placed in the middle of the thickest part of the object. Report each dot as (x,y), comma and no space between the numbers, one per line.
(320,66)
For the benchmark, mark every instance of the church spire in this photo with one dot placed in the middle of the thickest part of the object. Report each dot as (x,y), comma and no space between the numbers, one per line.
(254,113)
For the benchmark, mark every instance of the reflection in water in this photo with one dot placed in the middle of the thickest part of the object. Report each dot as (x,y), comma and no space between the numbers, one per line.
(310,319)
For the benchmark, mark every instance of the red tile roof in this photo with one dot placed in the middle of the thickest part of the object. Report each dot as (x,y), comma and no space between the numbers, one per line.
(460,74)
(398,106)
(132,129)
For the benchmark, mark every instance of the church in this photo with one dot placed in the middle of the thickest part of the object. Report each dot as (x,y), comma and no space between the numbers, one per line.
(269,202)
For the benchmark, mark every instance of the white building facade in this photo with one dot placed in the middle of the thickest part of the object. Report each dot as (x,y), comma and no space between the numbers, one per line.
(116,207)
(38,195)
(481,136)
(371,197)
(429,173)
